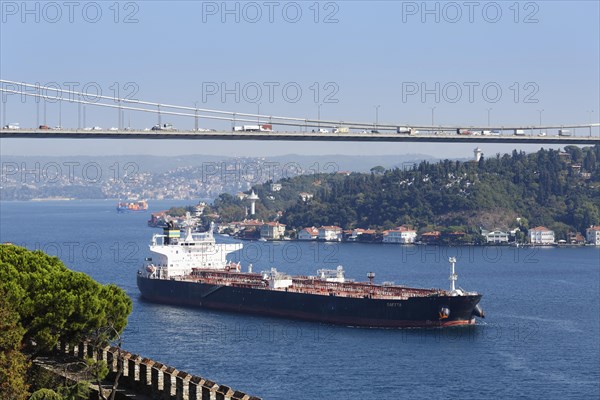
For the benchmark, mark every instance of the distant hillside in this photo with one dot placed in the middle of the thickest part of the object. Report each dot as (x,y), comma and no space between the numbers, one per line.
(157,164)
(558,189)
(172,177)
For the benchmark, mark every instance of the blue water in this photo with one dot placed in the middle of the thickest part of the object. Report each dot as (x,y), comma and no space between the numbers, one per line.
(541,337)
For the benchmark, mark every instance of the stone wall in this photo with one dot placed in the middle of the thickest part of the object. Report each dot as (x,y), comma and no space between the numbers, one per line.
(151,378)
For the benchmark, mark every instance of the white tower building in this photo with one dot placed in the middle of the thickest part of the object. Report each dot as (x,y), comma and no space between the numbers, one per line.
(200,209)
(253,197)
(478,153)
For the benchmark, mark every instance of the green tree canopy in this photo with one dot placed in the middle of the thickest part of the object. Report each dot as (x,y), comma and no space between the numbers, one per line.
(54,302)
(13,363)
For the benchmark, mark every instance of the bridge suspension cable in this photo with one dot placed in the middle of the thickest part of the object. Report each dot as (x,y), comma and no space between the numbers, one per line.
(235,116)
(123,103)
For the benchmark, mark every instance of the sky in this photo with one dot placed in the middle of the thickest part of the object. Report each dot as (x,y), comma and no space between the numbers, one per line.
(507,60)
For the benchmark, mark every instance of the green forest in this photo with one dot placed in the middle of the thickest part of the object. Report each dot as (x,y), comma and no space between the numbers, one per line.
(559,189)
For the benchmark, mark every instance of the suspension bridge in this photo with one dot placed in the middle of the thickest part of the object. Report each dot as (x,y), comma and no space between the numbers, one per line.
(260,126)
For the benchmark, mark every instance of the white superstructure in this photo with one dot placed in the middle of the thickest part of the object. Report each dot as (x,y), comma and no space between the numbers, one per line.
(175,252)
(332,275)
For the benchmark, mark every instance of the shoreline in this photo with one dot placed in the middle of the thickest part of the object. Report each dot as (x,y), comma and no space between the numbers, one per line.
(528,245)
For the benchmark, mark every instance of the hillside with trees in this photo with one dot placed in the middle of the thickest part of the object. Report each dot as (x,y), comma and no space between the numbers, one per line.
(557,189)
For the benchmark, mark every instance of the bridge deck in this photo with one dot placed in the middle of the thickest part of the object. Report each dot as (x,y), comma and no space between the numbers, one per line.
(297,136)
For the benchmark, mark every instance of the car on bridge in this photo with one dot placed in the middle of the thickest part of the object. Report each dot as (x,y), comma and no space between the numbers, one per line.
(12,126)
(163,127)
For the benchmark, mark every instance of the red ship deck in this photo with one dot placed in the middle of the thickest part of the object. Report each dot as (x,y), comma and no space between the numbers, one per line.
(311,285)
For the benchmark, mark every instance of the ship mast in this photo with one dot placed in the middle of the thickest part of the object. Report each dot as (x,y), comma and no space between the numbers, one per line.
(189,224)
(453,276)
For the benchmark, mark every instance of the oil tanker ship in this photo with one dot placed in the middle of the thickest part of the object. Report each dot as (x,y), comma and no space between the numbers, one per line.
(191,269)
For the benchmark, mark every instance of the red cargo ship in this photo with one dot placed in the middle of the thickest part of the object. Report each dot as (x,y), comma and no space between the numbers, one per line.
(125,206)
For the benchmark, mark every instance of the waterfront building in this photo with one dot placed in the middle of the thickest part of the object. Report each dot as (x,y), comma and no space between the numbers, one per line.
(400,234)
(272,231)
(593,235)
(308,234)
(541,235)
(495,236)
(361,234)
(575,238)
(330,233)
(431,237)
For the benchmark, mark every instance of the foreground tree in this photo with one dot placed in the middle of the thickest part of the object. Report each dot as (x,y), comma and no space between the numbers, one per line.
(54,302)
(13,363)
(42,301)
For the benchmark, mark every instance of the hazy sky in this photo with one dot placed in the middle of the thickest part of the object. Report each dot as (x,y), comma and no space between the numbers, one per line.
(463,58)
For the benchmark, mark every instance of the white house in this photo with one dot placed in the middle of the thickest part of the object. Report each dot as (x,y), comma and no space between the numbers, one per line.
(330,233)
(357,232)
(275,187)
(593,235)
(400,234)
(496,237)
(308,234)
(306,196)
(541,235)
(272,230)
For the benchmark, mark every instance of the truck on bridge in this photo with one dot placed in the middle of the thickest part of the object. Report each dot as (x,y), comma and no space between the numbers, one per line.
(341,129)
(254,128)
(564,132)
(405,130)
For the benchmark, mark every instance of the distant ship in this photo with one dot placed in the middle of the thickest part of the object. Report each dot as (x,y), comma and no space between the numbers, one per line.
(190,269)
(126,206)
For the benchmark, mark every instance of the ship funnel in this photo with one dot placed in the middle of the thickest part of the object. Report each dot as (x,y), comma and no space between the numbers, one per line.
(170,233)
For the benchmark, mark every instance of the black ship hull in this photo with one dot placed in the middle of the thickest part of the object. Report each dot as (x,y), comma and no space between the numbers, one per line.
(424,311)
